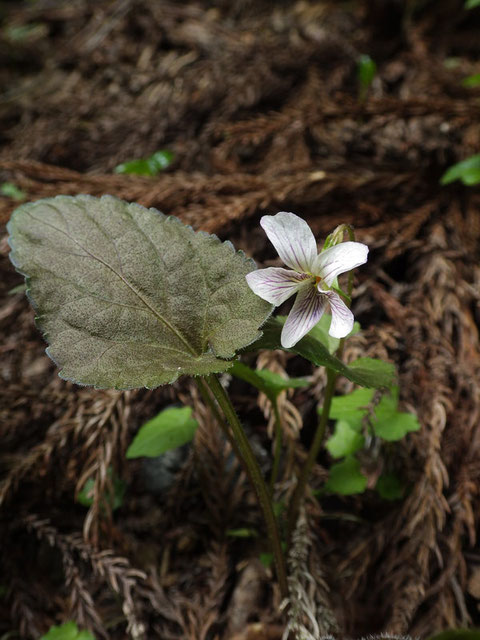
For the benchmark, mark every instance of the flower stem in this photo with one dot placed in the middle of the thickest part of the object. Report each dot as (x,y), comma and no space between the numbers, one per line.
(299,492)
(256,478)
(278,444)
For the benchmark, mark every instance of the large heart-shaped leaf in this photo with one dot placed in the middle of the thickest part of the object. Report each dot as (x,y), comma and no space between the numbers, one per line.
(128,297)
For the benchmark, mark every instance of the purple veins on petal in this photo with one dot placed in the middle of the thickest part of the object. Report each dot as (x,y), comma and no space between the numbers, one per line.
(275,284)
(307,310)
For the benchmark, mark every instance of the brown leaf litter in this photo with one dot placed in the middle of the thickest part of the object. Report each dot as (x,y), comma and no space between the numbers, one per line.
(258,101)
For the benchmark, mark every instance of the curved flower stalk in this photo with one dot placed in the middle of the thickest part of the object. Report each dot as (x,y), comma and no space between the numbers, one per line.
(311,276)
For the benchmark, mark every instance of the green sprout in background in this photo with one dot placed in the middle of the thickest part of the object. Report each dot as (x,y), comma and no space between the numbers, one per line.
(467,171)
(67,631)
(10,190)
(471,82)
(366,72)
(151,166)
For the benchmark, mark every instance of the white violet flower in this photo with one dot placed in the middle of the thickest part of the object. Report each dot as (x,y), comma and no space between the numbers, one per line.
(311,279)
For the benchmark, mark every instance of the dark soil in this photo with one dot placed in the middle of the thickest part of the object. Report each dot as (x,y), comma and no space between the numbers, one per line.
(259,103)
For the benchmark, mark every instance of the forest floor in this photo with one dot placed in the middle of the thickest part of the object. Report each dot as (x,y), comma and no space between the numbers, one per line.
(259,102)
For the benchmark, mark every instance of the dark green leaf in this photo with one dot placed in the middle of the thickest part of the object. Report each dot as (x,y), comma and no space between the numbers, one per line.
(471,4)
(465,170)
(344,441)
(315,351)
(128,297)
(268,382)
(471,82)
(390,487)
(170,429)
(346,478)
(67,631)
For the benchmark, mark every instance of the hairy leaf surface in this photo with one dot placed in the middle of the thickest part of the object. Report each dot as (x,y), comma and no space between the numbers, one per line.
(128,297)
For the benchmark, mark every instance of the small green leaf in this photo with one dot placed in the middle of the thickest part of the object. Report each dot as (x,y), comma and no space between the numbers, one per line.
(351,407)
(344,441)
(315,351)
(67,631)
(387,422)
(471,4)
(171,428)
(471,177)
(471,82)
(128,297)
(242,533)
(346,478)
(268,382)
(390,487)
(150,166)
(396,425)
(467,171)
(10,190)
(114,499)
(366,70)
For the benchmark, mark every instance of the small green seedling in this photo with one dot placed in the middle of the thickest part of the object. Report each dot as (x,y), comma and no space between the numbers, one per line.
(346,478)
(67,631)
(366,72)
(171,428)
(471,82)
(151,166)
(10,190)
(467,171)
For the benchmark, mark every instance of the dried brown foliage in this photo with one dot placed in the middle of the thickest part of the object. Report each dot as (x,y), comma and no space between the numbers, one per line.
(258,100)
